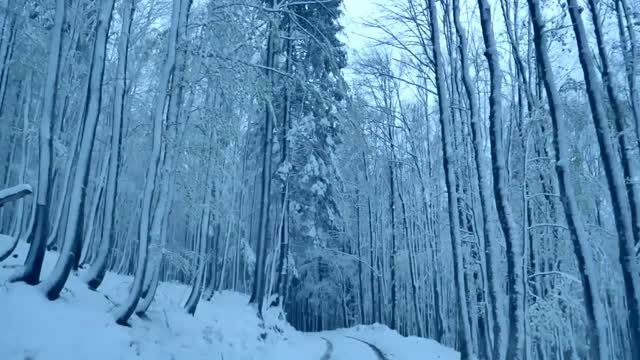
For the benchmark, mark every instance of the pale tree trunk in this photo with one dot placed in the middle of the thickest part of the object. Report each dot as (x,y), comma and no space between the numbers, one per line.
(158,235)
(98,269)
(615,179)
(158,231)
(392,257)
(388,107)
(159,222)
(466,351)
(206,233)
(259,279)
(496,304)
(63,202)
(38,236)
(69,254)
(94,215)
(283,261)
(371,244)
(412,268)
(6,48)
(19,219)
(513,240)
(359,253)
(628,146)
(579,238)
(631,57)
(127,309)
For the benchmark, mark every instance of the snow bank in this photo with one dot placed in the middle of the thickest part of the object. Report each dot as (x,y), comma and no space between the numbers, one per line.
(398,347)
(80,325)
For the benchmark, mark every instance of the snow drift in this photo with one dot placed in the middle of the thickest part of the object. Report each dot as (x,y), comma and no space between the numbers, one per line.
(80,325)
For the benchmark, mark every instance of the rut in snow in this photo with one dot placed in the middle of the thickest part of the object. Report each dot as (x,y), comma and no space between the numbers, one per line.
(379,353)
(329,351)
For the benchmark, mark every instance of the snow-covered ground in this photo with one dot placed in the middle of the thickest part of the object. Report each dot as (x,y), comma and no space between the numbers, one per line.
(80,325)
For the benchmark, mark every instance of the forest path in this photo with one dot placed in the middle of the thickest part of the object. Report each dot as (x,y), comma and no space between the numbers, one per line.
(348,348)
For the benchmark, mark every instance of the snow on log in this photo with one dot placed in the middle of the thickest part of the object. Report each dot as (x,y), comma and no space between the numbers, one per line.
(14,193)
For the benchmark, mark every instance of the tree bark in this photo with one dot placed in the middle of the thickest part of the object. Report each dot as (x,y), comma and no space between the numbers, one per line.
(615,179)
(466,351)
(98,269)
(38,236)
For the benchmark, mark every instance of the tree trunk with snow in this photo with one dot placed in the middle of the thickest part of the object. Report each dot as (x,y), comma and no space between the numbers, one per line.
(38,237)
(464,331)
(615,179)
(259,279)
(178,14)
(516,340)
(98,269)
(500,334)
(69,253)
(579,238)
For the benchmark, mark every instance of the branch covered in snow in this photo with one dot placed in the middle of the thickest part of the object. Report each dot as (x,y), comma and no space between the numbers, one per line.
(14,193)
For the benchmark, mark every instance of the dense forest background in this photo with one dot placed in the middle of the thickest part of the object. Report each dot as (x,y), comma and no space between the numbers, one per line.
(472,175)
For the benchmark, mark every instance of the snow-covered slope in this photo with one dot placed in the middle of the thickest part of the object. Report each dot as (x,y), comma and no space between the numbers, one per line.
(80,325)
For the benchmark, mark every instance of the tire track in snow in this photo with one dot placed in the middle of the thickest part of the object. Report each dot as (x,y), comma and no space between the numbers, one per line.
(329,351)
(379,353)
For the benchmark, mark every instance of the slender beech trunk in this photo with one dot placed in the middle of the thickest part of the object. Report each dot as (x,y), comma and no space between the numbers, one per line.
(412,268)
(392,258)
(206,235)
(500,334)
(259,278)
(6,48)
(513,241)
(98,269)
(371,248)
(359,253)
(627,143)
(38,237)
(127,309)
(579,238)
(631,56)
(615,179)
(69,254)
(466,351)
(283,263)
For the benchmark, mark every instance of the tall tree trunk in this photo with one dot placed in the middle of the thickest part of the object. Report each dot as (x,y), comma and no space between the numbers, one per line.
(392,258)
(466,351)
(259,278)
(179,14)
(615,179)
(516,339)
(206,235)
(412,268)
(371,248)
(627,143)
(579,239)
(98,269)
(38,237)
(69,254)
(631,56)
(500,334)
(359,253)
(283,261)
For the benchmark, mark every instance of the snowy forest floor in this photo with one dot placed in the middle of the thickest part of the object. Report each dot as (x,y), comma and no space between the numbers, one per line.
(80,325)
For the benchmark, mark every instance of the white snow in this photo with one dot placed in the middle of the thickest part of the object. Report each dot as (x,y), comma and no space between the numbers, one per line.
(81,325)
(394,345)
